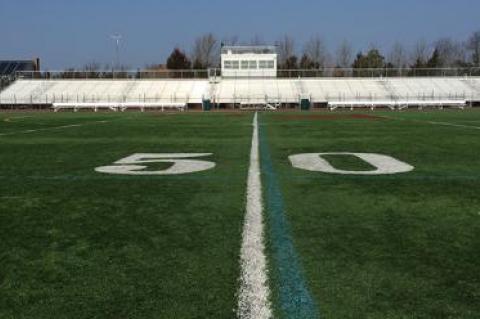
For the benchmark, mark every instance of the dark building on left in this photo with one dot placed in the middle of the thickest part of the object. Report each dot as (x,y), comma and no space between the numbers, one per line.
(9,67)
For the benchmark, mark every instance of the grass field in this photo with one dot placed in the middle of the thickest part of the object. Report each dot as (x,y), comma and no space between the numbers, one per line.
(395,246)
(78,244)
(75,243)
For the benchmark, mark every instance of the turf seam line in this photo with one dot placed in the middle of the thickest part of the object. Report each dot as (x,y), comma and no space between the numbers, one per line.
(254,293)
(295,298)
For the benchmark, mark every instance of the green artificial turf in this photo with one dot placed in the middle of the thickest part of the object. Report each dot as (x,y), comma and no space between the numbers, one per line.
(395,246)
(347,162)
(79,244)
(75,243)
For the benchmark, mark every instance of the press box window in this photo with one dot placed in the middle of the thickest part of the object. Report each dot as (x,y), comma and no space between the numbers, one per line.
(266,64)
(230,64)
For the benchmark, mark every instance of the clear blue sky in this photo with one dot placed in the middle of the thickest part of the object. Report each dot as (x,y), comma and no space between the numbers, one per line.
(66,33)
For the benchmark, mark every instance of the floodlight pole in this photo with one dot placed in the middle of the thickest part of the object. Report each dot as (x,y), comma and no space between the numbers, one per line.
(116,38)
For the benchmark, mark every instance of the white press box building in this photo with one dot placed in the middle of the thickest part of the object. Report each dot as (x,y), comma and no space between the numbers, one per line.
(249,61)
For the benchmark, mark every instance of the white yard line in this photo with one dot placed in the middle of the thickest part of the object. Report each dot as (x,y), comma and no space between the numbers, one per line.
(52,128)
(455,125)
(9,119)
(433,122)
(254,294)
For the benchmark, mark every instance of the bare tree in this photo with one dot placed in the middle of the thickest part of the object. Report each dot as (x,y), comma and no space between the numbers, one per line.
(91,69)
(344,55)
(451,53)
(398,56)
(232,40)
(286,49)
(92,66)
(205,51)
(420,53)
(316,51)
(257,40)
(473,45)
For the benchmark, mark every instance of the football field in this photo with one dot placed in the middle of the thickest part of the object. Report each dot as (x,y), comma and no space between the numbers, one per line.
(146,215)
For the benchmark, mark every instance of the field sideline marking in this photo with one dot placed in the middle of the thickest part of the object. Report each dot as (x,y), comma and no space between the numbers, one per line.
(254,294)
(52,128)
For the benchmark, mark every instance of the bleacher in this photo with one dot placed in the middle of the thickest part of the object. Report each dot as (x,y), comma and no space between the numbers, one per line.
(108,94)
(352,92)
(175,93)
(246,91)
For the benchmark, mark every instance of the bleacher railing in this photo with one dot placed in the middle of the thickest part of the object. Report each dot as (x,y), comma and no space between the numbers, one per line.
(379,73)
(215,72)
(114,75)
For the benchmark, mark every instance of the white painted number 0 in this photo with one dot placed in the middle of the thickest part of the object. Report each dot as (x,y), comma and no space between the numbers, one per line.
(383,164)
(135,164)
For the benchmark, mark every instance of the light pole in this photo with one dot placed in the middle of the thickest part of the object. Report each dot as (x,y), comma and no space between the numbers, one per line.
(116,37)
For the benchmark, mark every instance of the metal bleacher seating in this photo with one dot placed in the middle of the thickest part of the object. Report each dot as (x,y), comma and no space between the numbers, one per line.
(335,92)
(110,94)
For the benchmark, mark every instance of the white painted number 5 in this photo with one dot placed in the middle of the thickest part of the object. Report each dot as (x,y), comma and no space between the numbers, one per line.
(135,164)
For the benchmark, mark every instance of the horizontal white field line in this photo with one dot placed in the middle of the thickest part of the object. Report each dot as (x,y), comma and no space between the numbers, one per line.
(455,125)
(52,128)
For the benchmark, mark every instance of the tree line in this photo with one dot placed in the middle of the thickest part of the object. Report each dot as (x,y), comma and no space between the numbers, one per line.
(315,55)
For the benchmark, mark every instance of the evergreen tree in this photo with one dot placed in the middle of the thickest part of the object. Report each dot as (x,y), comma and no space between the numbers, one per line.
(435,61)
(359,62)
(197,65)
(375,59)
(291,63)
(419,64)
(178,60)
(372,60)
(307,63)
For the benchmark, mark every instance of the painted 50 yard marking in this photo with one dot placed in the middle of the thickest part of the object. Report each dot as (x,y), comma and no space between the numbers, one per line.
(254,292)
(182,163)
